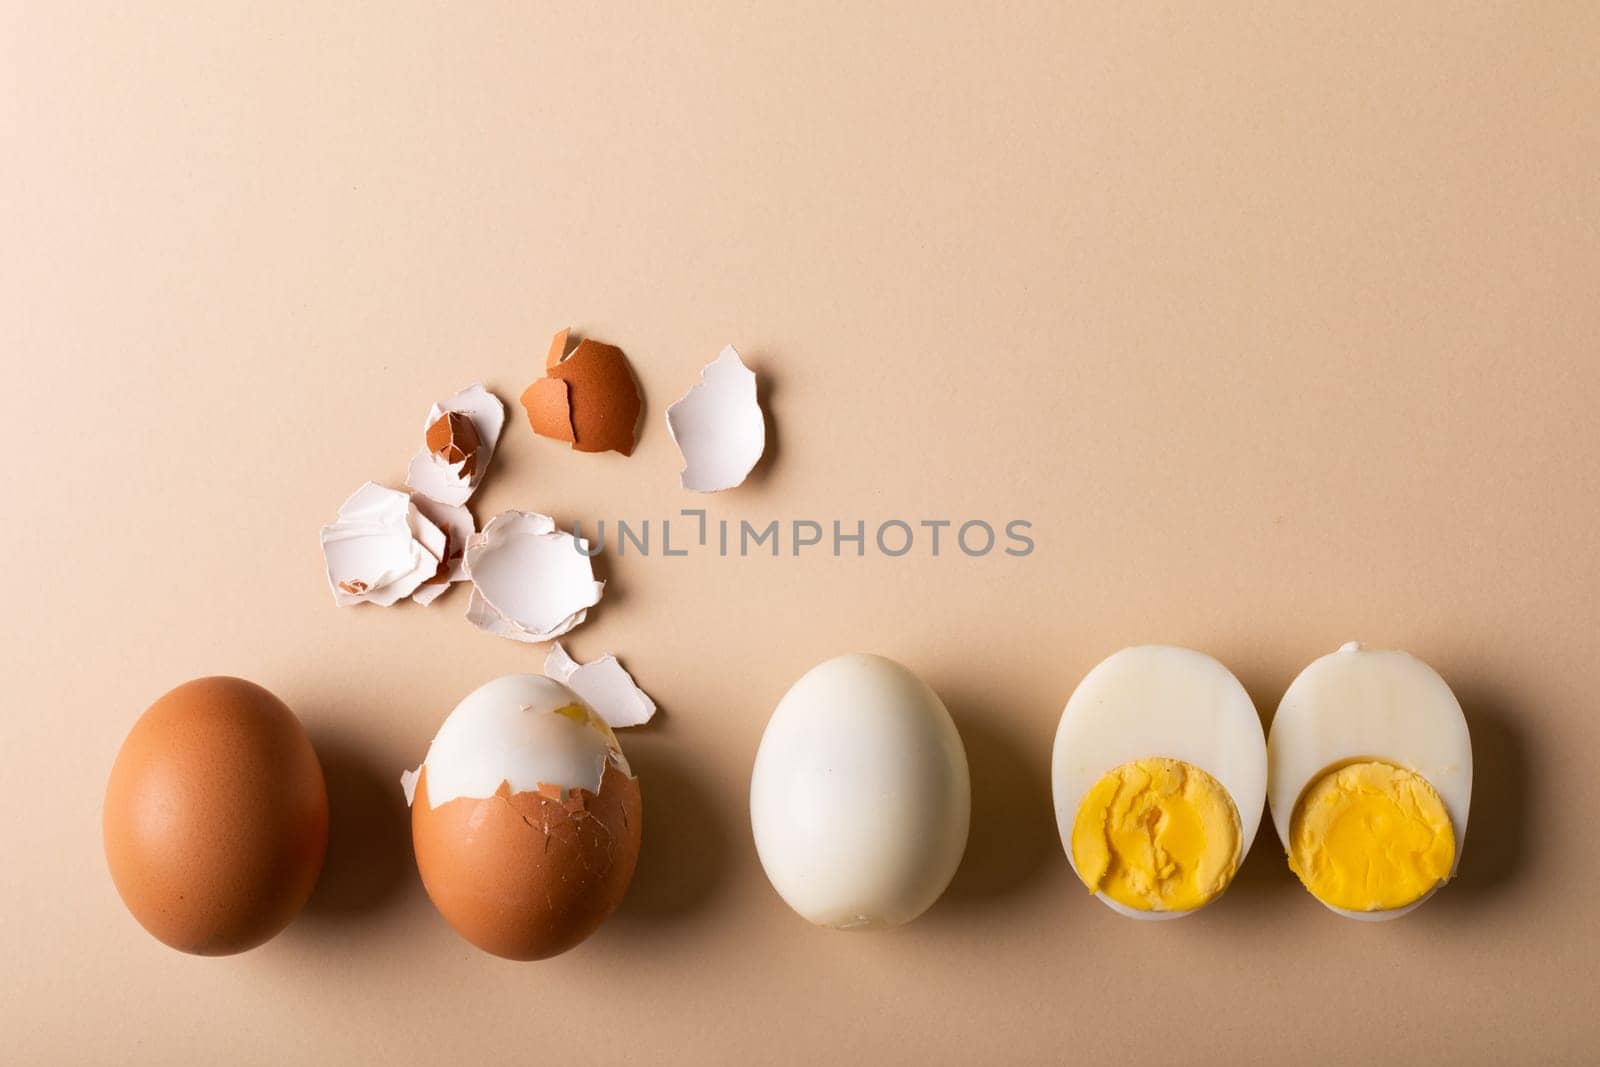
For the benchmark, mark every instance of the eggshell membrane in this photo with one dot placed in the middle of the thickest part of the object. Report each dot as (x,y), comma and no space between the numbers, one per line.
(530,581)
(1377,704)
(381,548)
(459,439)
(604,685)
(860,798)
(718,426)
(1156,700)
(216,817)
(528,875)
(458,526)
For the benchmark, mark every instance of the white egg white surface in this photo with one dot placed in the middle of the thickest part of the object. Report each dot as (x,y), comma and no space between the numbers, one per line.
(1362,703)
(1158,701)
(860,798)
(507,730)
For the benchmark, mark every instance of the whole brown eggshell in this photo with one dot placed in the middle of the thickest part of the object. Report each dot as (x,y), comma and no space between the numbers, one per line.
(528,875)
(216,817)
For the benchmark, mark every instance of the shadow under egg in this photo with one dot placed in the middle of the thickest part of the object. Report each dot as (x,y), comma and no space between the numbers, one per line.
(369,835)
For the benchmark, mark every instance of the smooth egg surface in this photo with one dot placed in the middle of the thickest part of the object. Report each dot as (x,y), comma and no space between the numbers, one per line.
(860,797)
(216,817)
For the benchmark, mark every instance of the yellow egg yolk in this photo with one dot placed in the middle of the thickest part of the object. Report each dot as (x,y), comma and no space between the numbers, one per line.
(1157,835)
(581,715)
(1370,836)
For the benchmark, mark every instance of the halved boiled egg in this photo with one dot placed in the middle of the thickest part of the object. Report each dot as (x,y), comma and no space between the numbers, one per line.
(1370,780)
(1159,775)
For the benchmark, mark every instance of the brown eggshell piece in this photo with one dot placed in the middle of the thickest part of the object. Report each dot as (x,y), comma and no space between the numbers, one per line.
(604,397)
(454,438)
(548,410)
(599,409)
(558,350)
(216,817)
(527,876)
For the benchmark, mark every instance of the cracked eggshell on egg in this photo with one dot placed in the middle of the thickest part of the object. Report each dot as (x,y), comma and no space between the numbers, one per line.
(530,581)
(454,456)
(718,426)
(1159,701)
(1366,703)
(525,818)
(604,685)
(860,798)
(381,548)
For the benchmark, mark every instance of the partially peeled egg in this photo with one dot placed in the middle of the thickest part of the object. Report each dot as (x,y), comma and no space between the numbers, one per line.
(525,818)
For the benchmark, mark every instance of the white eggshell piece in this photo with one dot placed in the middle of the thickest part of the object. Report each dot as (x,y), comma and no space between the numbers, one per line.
(604,685)
(1157,701)
(530,581)
(1362,703)
(860,798)
(508,731)
(380,548)
(718,426)
(408,784)
(432,476)
(458,526)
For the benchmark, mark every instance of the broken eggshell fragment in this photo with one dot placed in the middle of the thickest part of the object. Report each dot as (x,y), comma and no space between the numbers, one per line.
(604,685)
(588,397)
(458,526)
(718,426)
(525,818)
(458,442)
(530,581)
(549,410)
(454,440)
(381,548)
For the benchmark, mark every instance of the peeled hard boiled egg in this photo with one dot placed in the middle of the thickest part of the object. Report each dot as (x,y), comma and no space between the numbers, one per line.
(525,818)
(1159,774)
(1371,779)
(860,798)
(216,817)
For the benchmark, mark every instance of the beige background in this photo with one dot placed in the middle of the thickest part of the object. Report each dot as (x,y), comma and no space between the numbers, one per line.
(1279,324)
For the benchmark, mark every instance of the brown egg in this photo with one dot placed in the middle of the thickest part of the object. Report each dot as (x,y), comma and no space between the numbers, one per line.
(528,875)
(216,817)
